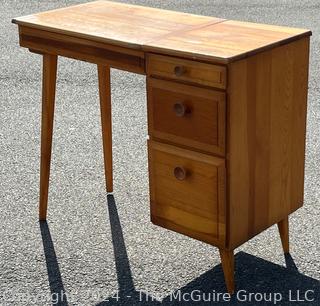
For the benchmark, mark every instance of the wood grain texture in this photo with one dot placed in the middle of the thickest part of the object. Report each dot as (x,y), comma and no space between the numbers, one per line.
(82,49)
(227,262)
(259,132)
(194,206)
(267,100)
(106,122)
(192,71)
(48,101)
(225,41)
(160,31)
(202,127)
(114,23)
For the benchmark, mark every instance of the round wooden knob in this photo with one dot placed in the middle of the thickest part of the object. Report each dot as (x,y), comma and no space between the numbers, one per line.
(180,173)
(180,109)
(179,70)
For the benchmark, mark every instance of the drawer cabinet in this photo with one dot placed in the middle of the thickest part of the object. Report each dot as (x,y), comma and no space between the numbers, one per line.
(187,71)
(187,192)
(226,152)
(187,115)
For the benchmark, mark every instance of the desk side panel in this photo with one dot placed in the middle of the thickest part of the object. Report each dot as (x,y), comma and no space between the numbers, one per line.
(267,101)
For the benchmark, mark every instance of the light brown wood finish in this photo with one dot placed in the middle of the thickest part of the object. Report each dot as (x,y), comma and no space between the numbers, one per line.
(201,125)
(225,41)
(160,31)
(259,132)
(114,23)
(48,101)
(227,262)
(82,49)
(266,138)
(187,71)
(194,205)
(283,227)
(106,122)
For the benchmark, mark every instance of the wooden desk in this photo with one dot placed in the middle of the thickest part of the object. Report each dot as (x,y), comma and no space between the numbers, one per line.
(226,112)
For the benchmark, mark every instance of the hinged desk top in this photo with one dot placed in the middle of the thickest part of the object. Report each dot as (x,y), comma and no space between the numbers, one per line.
(162,31)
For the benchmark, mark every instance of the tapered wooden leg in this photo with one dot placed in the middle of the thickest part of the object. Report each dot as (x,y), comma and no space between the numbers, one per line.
(227,262)
(48,98)
(283,227)
(106,123)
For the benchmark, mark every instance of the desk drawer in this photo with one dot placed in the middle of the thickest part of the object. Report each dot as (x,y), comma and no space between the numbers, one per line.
(187,191)
(187,115)
(185,70)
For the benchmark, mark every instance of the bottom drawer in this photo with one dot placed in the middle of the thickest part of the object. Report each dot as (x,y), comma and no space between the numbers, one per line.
(187,192)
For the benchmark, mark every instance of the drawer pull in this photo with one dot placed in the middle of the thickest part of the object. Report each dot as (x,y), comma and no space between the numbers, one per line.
(180,109)
(179,70)
(180,173)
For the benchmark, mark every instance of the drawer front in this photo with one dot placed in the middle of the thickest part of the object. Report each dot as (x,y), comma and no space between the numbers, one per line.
(187,192)
(187,115)
(185,70)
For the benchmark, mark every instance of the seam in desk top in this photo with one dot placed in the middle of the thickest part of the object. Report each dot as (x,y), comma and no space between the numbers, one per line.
(185,30)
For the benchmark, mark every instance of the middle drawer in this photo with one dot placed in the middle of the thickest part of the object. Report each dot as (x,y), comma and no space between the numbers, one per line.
(187,115)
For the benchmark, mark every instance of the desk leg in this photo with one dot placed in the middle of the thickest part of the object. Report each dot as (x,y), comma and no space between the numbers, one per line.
(105,106)
(227,262)
(48,97)
(283,227)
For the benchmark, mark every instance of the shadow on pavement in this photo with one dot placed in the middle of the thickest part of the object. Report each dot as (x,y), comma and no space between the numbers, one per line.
(254,276)
(54,275)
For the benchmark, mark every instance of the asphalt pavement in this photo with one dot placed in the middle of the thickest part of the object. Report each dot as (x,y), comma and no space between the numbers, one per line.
(103,250)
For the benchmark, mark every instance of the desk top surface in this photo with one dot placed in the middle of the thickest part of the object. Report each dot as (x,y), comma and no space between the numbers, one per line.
(162,31)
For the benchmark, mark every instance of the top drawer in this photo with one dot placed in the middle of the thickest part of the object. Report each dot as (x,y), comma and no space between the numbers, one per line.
(185,70)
